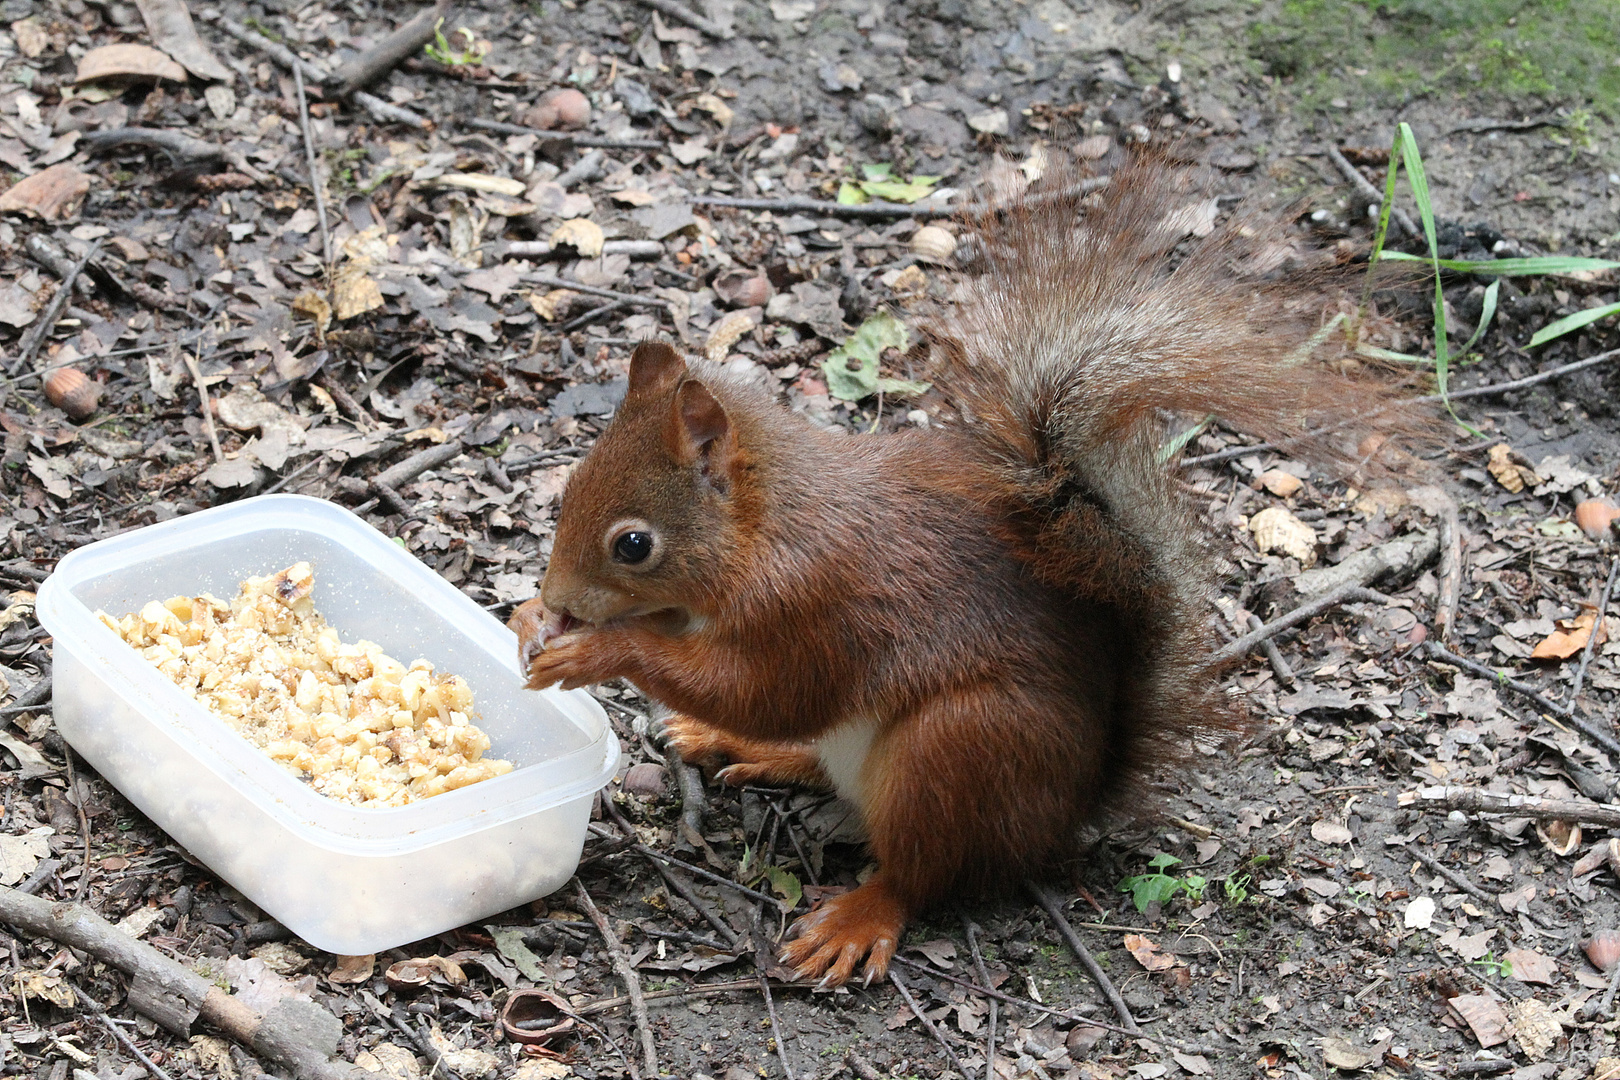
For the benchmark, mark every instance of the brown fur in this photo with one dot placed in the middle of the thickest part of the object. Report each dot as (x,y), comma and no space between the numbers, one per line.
(1018,602)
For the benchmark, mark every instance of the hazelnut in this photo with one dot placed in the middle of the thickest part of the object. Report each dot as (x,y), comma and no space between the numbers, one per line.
(559,110)
(646,779)
(933,244)
(743,288)
(1596,517)
(73,392)
(1604,949)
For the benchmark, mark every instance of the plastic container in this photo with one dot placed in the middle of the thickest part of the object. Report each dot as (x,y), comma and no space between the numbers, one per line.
(345,879)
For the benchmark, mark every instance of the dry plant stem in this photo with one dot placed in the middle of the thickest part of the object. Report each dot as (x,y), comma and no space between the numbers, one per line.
(696,871)
(591,290)
(933,1029)
(388,53)
(1565,712)
(1343,595)
(389,113)
(573,137)
(118,1033)
(539,249)
(770,1003)
(863,1068)
(1451,875)
(627,974)
(309,156)
(84,823)
(275,51)
(1232,453)
(1473,800)
(592,315)
(1592,637)
(682,889)
(704,990)
(79,927)
(206,405)
(397,476)
(1274,656)
(801,204)
(1372,194)
(972,930)
(1054,911)
(1445,604)
(690,18)
(47,319)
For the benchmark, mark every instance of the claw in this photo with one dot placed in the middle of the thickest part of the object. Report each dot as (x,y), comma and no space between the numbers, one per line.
(832,939)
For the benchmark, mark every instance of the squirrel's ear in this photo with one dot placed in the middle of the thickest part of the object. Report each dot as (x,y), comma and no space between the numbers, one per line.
(655,365)
(703,431)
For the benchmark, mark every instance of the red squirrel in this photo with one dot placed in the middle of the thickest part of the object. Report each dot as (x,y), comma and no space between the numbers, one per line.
(978,633)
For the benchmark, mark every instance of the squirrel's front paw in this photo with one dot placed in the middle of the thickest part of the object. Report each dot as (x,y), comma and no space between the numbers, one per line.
(834,937)
(694,740)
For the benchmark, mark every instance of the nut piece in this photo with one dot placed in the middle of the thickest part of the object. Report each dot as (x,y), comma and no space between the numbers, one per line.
(73,392)
(1275,529)
(1596,517)
(742,288)
(559,110)
(933,244)
(357,725)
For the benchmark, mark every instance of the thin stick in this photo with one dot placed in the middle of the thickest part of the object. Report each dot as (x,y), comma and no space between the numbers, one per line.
(933,1029)
(1607,1003)
(383,56)
(1451,875)
(1473,800)
(879,209)
(690,18)
(1234,452)
(1342,595)
(118,1033)
(47,319)
(1592,638)
(309,156)
(972,930)
(627,975)
(760,954)
(1274,656)
(1445,604)
(591,290)
(207,406)
(501,127)
(1054,912)
(685,891)
(84,824)
(1597,735)
(389,113)
(1368,192)
(592,315)
(275,51)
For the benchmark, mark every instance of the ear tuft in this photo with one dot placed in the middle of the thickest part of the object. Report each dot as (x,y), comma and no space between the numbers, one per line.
(655,365)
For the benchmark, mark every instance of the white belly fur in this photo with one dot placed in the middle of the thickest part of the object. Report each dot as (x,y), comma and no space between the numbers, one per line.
(843,757)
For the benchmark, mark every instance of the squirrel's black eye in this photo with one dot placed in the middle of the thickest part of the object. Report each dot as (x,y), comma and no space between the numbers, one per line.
(633,547)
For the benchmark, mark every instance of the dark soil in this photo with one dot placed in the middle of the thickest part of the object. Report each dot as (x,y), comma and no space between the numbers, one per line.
(1304,929)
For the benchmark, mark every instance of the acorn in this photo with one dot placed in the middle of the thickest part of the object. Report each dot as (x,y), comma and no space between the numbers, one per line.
(73,392)
(1596,517)
(933,244)
(559,110)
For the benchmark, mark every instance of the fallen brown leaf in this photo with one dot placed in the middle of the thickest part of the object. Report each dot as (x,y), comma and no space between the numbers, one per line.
(128,61)
(50,194)
(1484,1016)
(1149,954)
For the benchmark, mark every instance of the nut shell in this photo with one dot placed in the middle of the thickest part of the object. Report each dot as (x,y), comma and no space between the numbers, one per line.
(559,110)
(73,392)
(742,288)
(1604,949)
(1596,517)
(933,244)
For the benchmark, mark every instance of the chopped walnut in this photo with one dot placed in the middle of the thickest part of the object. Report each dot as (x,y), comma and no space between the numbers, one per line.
(356,724)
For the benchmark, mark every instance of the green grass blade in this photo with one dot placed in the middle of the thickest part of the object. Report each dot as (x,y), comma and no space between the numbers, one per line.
(1179,443)
(1572,322)
(1538,266)
(1417,178)
(1485,316)
(1384,211)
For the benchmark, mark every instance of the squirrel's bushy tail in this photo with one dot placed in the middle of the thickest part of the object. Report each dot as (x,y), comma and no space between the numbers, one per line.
(1092,323)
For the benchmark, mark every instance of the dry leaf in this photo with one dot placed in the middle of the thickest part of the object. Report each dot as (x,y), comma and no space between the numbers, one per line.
(1511,471)
(43,987)
(1536,1027)
(354,292)
(170,25)
(1330,832)
(313,306)
(1275,529)
(31,36)
(582,234)
(1530,966)
(1484,1016)
(1565,643)
(394,1062)
(414,974)
(128,61)
(552,304)
(1149,954)
(353,969)
(716,108)
(1279,483)
(51,193)
(1343,1054)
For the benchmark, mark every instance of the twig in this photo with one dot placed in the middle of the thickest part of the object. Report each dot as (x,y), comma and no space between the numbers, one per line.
(1342,595)
(1474,127)
(1445,604)
(389,113)
(685,891)
(1607,1004)
(1451,875)
(1274,656)
(1592,637)
(274,50)
(501,127)
(795,204)
(1233,452)
(118,1033)
(397,476)
(762,954)
(181,148)
(972,930)
(84,823)
(694,800)
(690,868)
(627,975)
(1596,734)
(1473,800)
(691,18)
(933,1029)
(207,406)
(290,477)
(315,184)
(539,249)
(592,315)
(591,290)
(586,168)
(701,990)
(1049,903)
(47,319)
(1368,192)
(385,55)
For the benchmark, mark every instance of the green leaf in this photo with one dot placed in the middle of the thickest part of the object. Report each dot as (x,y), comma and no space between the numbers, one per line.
(1486,314)
(1572,322)
(1540,265)
(903,387)
(786,885)
(896,190)
(509,942)
(880,331)
(877,171)
(850,195)
(1162,860)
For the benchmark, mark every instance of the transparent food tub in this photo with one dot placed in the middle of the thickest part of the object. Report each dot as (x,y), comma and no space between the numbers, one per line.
(344,879)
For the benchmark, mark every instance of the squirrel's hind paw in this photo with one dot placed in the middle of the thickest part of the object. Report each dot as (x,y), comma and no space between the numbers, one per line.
(833,938)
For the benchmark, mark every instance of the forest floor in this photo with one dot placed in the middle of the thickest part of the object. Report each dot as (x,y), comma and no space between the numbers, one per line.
(1305,903)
